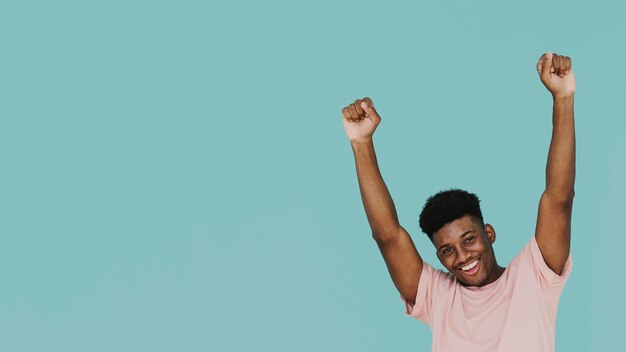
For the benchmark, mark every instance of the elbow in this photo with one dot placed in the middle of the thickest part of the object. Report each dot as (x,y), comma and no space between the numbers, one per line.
(564,198)
(382,237)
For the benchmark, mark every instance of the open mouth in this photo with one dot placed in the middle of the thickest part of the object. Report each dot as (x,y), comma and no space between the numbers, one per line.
(471,268)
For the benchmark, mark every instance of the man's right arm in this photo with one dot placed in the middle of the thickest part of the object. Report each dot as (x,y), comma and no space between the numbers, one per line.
(403,261)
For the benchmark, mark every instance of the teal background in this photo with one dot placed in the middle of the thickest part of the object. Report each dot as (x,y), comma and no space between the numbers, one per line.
(174,176)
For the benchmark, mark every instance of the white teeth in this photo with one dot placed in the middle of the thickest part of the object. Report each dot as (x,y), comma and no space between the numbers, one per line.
(470,266)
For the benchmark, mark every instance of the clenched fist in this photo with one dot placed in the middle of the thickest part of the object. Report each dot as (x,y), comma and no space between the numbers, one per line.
(555,72)
(360,119)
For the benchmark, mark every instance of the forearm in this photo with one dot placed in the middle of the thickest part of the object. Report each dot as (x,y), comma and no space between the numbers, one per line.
(379,207)
(561,165)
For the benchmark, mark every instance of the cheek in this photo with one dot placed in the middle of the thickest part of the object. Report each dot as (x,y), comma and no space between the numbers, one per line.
(481,246)
(446,262)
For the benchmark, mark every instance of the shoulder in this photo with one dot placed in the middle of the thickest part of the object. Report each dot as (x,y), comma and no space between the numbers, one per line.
(531,261)
(434,288)
(437,283)
(438,278)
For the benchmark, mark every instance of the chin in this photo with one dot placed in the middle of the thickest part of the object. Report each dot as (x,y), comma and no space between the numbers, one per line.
(473,281)
(469,283)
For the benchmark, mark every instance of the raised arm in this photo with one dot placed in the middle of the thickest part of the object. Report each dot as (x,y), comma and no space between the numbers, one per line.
(360,120)
(555,207)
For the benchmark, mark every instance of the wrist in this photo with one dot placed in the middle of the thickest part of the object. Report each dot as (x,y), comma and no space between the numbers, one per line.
(361,141)
(563,99)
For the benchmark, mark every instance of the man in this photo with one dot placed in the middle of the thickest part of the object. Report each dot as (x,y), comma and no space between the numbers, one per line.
(478,305)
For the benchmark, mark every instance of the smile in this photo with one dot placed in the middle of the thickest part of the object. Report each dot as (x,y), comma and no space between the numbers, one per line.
(471,268)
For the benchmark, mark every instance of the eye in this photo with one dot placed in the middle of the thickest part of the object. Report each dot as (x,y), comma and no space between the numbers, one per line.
(469,239)
(446,251)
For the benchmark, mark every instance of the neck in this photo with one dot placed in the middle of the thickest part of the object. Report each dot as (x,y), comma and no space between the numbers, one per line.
(495,275)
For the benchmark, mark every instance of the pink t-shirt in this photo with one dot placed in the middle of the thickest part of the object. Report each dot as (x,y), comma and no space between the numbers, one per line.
(517,312)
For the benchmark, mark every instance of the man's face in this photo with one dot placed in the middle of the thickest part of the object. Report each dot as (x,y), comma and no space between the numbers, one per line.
(464,248)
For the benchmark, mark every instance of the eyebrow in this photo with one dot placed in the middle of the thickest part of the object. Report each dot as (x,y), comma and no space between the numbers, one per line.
(445,244)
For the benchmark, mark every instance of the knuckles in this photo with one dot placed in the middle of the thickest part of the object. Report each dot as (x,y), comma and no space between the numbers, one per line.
(561,64)
(354,111)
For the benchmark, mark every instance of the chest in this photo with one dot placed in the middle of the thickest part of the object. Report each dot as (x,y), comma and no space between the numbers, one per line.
(483,317)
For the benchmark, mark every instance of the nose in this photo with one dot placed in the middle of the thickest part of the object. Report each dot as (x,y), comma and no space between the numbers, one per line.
(462,255)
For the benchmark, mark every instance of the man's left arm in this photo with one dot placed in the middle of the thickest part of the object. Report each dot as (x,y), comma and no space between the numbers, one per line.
(555,207)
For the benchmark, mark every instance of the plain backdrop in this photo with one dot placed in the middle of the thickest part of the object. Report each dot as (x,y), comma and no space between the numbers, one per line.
(174,175)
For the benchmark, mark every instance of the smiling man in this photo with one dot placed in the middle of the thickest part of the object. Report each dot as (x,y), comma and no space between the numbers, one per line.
(478,305)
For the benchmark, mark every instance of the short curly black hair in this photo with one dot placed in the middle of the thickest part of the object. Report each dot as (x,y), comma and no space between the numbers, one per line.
(447,206)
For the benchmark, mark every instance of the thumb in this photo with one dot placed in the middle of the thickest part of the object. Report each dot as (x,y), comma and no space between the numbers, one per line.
(545,67)
(370,111)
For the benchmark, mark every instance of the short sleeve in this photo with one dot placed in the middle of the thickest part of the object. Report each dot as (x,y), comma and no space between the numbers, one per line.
(431,280)
(547,275)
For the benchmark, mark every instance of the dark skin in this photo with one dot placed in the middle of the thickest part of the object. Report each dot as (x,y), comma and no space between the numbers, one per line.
(464,241)
(552,231)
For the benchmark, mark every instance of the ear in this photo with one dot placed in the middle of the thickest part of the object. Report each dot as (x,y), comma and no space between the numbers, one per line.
(491,233)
